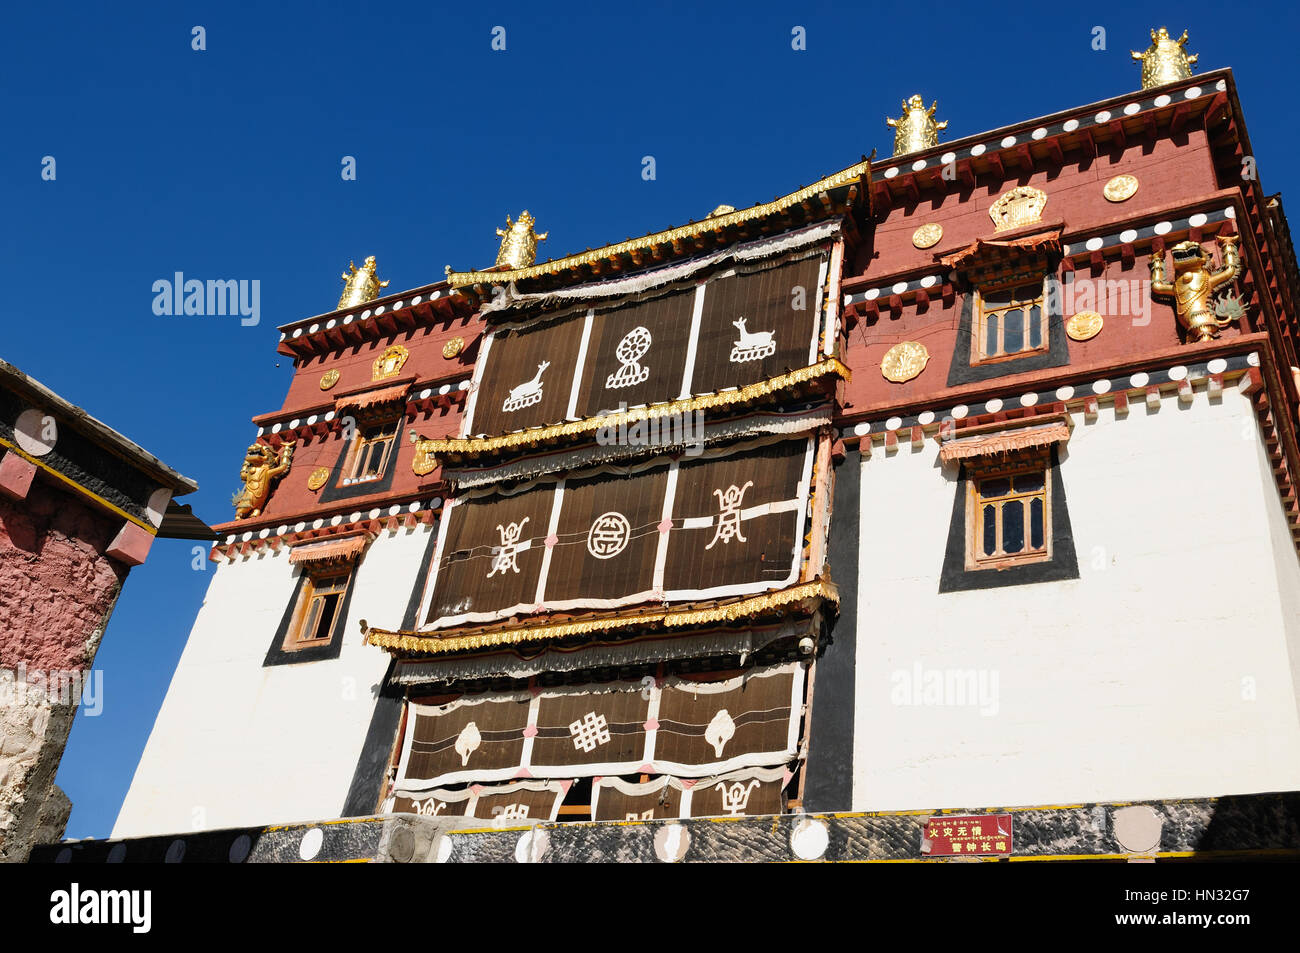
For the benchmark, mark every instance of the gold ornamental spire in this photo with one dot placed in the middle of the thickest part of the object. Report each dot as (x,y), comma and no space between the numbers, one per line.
(916,129)
(519,242)
(1165,60)
(361,284)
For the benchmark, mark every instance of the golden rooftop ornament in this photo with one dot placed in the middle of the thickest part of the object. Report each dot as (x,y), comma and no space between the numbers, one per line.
(916,129)
(1165,60)
(262,464)
(361,285)
(1193,285)
(519,242)
(1022,205)
(722,210)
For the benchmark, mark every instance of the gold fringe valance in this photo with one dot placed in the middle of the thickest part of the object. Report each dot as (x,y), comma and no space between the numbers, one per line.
(402,641)
(470,446)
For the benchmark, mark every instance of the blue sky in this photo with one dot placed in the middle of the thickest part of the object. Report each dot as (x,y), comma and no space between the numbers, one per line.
(225,163)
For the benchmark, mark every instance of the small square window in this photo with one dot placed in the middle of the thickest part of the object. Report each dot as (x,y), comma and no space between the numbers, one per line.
(1009,514)
(1009,322)
(317,616)
(371,453)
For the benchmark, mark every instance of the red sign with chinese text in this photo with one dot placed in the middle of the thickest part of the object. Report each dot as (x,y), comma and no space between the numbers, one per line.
(953,836)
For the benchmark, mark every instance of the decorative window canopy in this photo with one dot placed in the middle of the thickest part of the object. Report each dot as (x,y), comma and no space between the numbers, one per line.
(335,553)
(988,445)
(998,261)
(371,398)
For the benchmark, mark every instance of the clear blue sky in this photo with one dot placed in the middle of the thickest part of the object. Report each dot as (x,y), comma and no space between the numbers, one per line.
(225,164)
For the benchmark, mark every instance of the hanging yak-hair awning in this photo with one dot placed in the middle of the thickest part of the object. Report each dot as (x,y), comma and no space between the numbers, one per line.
(985,260)
(371,398)
(1002,442)
(338,552)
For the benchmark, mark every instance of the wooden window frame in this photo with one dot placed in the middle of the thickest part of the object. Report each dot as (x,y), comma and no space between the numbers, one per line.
(979,326)
(361,444)
(316,587)
(1038,463)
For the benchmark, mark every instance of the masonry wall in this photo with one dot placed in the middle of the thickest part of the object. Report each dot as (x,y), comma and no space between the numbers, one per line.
(1168,669)
(237,743)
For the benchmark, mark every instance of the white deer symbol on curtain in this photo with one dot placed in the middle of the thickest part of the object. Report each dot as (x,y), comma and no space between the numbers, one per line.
(751,346)
(527,393)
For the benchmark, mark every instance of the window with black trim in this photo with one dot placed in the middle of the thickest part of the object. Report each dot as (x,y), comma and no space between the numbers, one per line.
(1010,322)
(318,615)
(372,451)
(1009,516)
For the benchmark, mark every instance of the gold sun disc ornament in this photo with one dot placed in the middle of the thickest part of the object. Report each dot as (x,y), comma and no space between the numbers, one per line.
(1083,326)
(1121,188)
(329,379)
(319,477)
(453,347)
(904,361)
(927,236)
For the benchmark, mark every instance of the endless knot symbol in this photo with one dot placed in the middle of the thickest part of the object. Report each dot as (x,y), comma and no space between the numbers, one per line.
(630,350)
(609,535)
(589,731)
(729,514)
(505,557)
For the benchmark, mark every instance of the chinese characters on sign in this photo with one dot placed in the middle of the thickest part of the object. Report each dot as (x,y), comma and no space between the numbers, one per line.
(953,836)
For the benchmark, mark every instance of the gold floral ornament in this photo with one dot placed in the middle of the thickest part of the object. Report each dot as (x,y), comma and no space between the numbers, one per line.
(262,465)
(424,462)
(1084,326)
(519,242)
(1121,188)
(1194,283)
(1022,205)
(329,379)
(904,361)
(389,364)
(916,129)
(361,285)
(453,347)
(928,235)
(319,477)
(1165,60)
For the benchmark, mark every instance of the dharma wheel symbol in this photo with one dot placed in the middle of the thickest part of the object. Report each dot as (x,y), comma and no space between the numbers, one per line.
(629,352)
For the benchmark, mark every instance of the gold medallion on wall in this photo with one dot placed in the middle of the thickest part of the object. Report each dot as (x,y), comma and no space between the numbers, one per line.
(453,347)
(1121,188)
(329,379)
(1083,326)
(928,235)
(904,361)
(319,477)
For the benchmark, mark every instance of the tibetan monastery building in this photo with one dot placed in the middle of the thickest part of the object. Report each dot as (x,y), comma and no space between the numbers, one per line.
(954,485)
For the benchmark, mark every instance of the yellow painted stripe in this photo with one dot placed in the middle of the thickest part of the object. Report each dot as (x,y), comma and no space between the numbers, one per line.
(152,530)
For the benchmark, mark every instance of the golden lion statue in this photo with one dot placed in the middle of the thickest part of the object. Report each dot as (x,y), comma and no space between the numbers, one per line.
(261,465)
(1194,283)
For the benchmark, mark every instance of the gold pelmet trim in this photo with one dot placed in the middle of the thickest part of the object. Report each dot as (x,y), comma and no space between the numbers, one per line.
(460,279)
(433,645)
(425,448)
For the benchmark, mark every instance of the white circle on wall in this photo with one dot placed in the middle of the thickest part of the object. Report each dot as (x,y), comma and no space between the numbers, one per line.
(332,322)
(1140,379)
(313,329)
(960,411)
(918,165)
(379,310)
(899,287)
(297,332)
(1217,366)
(334,521)
(264,533)
(416,300)
(1028,400)
(1221,85)
(809,839)
(375,513)
(1128,235)
(1132,108)
(948,157)
(1229,212)
(1163,100)
(993,406)
(893,423)
(978,149)
(861,430)
(1100,387)
(872,294)
(1039,133)
(1163,228)
(293,424)
(1253,358)
(311,844)
(299,527)
(672,841)
(1177,373)
(349,319)
(1070,125)
(891,172)
(413,507)
(157,505)
(426,393)
(1064,393)
(281,530)
(317,523)
(276,428)
(247,536)
(354,517)
(1008,142)
(394,509)
(1192,93)
(929,281)
(532,845)
(36,432)
(926,418)
(1101,117)
(397,306)
(1093,244)
(1197,220)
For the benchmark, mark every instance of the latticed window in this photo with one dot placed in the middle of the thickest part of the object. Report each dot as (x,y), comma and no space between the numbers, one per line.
(1009,520)
(1011,322)
(317,616)
(373,449)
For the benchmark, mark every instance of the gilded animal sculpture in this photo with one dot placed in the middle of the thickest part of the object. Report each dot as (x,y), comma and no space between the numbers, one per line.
(361,284)
(916,129)
(519,242)
(1194,284)
(1165,60)
(262,465)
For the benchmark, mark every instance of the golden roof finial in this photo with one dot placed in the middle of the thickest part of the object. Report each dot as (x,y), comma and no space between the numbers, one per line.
(519,242)
(361,284)
(916,129)
(1165,60)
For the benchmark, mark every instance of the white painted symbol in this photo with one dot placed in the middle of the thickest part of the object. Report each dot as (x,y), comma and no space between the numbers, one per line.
(429,807)
(735,797)
(504,559)
(467,742)
(630,350)
(527,393)
(729,514)
(609,535)
(511,812)
(751,346)
(589,732)
(721,730)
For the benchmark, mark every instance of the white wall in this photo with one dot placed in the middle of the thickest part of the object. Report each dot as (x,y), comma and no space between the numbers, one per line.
(1135,680)
(238,744)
